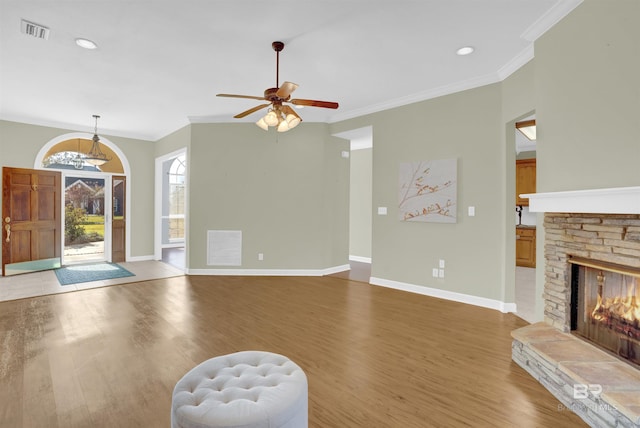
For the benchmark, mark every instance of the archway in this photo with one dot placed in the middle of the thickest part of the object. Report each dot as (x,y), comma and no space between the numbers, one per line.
(94,198)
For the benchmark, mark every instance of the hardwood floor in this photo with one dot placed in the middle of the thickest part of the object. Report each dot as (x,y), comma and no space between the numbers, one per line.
(374,357)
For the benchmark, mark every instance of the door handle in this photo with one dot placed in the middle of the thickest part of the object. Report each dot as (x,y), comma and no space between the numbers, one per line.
(8,229)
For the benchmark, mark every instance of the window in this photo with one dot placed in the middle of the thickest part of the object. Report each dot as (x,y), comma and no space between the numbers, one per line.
(176,199)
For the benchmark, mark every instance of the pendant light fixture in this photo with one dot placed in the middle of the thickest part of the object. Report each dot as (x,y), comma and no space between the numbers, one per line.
(95,155)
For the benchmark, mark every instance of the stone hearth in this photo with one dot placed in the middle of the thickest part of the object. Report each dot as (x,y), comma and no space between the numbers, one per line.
(570,369)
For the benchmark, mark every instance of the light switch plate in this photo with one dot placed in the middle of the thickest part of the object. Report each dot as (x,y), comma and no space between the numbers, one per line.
(382,210)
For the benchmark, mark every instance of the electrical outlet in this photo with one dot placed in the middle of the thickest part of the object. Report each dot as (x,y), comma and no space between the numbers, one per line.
(434,272)
(441,264)
(440,273)
(260,256)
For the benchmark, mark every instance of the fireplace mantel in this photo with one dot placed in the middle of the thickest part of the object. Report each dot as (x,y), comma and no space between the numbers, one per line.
(618,200)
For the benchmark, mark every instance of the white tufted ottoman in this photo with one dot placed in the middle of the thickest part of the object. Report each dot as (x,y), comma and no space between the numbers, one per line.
(247,389)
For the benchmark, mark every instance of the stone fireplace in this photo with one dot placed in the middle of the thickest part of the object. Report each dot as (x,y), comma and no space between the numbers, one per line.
(591,240)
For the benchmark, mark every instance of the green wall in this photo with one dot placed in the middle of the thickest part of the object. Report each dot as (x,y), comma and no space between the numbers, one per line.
(588,98)
(465,126)
(288,193)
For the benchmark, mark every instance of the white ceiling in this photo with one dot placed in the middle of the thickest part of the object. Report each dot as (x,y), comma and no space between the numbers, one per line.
(159,64)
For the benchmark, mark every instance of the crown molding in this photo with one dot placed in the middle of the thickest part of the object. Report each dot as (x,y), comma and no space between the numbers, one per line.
(419,96)
(516,62)
(558,11)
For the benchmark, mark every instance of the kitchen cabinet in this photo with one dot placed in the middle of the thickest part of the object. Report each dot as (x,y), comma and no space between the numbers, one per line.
(525,179)
(526,246)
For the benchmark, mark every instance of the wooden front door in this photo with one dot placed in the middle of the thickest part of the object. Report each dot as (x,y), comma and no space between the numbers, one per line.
(118,219)
(30,220)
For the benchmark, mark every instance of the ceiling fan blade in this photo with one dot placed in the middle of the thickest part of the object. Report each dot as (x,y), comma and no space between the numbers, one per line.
(251,97)
(286,89)
(251,110)
(314,103)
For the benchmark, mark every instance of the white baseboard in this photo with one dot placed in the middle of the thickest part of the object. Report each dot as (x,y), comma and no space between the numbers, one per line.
(269,272)
(360,259)
(140,258)
(335,269)
(447,295)
(173,245)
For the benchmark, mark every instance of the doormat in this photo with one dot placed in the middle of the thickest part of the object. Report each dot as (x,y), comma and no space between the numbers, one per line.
(90,272)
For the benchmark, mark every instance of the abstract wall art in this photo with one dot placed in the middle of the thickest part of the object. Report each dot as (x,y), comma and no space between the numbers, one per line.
(428,191)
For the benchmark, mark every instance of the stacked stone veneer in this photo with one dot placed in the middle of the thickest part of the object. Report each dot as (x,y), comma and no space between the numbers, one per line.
(613,238)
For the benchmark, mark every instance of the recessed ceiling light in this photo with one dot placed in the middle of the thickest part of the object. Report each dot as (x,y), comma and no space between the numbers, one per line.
(466,50)
(85,43)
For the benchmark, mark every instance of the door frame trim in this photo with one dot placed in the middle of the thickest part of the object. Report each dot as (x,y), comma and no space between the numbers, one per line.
(37,164)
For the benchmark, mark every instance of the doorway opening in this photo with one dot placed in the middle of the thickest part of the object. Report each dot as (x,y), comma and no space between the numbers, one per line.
(525,225)
(94,198)
(85,208)
(360,202)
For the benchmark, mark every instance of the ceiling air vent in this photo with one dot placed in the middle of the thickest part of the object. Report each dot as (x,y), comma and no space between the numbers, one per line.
(35,30)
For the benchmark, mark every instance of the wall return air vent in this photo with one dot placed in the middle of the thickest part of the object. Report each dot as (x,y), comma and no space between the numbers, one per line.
(34,30)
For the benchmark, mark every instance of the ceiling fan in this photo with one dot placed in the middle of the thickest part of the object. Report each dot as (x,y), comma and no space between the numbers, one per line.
(280,115)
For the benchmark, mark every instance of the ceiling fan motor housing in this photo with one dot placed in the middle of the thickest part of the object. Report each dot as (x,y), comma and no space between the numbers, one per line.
(270,95)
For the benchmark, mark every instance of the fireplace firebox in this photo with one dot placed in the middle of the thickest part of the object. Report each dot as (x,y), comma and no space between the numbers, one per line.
(605,306)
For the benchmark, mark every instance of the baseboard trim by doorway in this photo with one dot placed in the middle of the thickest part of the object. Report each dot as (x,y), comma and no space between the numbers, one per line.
(447,295)
(360,259)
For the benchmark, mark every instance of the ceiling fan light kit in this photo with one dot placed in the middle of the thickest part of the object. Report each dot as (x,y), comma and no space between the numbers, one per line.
(280,116)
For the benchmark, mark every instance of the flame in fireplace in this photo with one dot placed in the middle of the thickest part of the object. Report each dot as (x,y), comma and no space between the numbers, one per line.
(626,307)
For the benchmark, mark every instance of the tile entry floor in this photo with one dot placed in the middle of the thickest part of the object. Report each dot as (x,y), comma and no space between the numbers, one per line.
(46,282)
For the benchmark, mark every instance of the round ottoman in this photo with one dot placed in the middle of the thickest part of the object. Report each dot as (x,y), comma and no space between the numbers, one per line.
(248,389)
